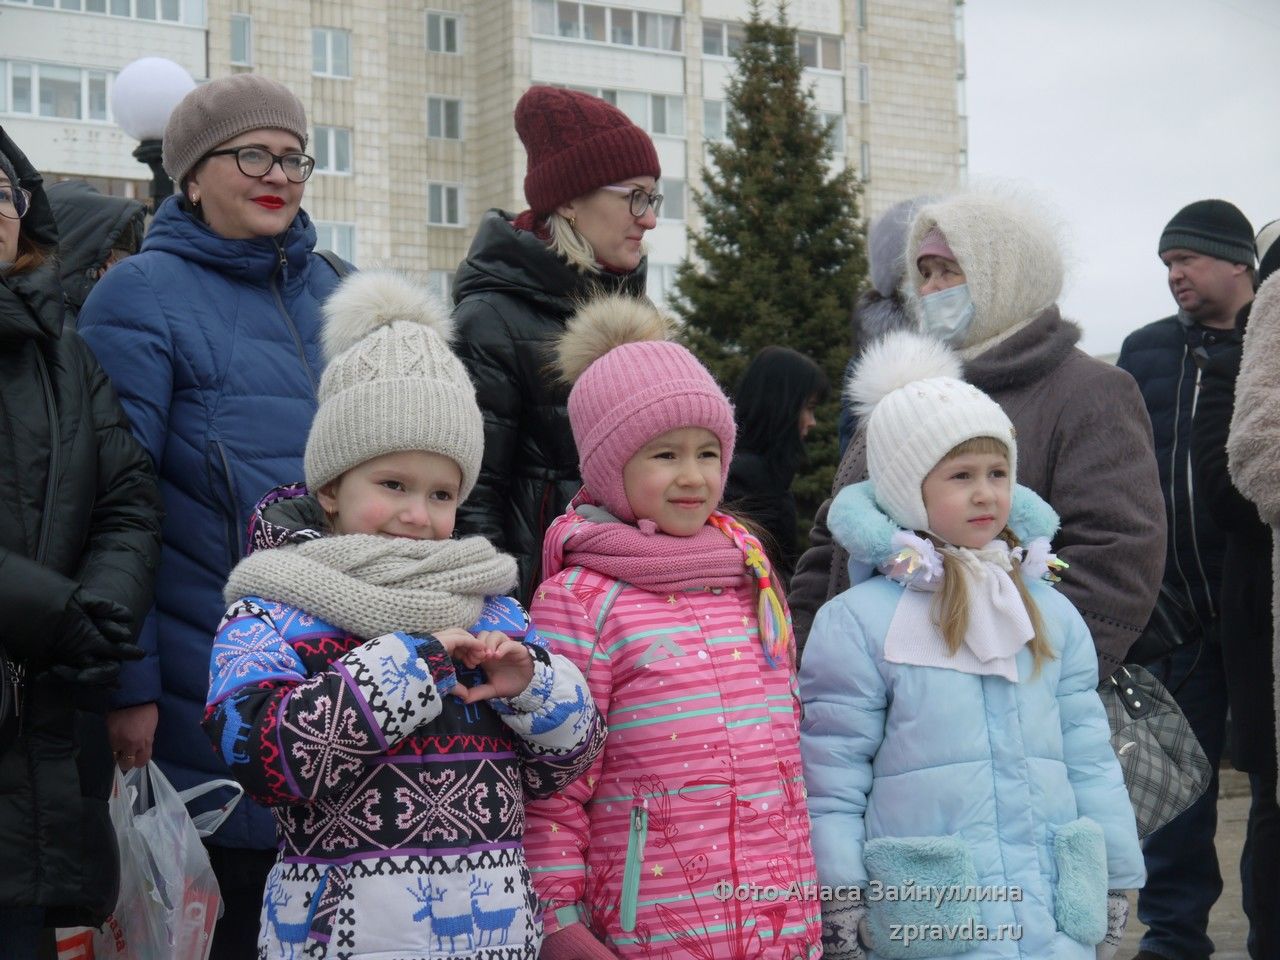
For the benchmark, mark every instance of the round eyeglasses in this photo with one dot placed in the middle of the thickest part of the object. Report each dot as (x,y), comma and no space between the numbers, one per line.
(14,202)
(639,200)
(258,161)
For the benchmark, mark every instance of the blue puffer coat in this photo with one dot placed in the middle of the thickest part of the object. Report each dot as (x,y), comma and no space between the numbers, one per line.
(213,346)
(935,777)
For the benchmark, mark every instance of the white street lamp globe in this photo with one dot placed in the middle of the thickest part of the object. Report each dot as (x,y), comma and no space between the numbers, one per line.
(145,93)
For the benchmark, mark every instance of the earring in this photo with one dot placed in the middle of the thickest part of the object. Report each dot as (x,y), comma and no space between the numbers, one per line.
(573,223)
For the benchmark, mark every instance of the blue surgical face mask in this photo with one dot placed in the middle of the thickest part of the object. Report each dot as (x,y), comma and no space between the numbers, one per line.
(947,314)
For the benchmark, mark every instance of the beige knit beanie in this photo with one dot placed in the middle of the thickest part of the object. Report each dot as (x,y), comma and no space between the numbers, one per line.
(907,388)
(391,382)
(216,111)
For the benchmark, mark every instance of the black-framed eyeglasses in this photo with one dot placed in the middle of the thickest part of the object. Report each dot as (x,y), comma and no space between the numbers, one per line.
(14,202)
(258,161)
(639,200)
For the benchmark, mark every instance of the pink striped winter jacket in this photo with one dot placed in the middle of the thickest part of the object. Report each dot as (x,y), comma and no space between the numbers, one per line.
(698,791)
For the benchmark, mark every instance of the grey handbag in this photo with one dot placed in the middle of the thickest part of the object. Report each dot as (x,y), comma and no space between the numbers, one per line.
(1165,770)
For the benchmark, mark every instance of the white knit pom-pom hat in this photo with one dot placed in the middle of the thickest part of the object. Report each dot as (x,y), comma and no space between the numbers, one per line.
(907,388)
(392,383)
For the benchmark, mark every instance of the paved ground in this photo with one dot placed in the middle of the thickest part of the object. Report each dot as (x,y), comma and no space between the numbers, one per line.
(1228,926)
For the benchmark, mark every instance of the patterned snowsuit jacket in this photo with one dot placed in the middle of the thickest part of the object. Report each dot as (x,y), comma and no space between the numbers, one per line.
(400,809)
(698,791)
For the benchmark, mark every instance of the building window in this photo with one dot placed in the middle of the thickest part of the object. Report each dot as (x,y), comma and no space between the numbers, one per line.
(57,92)
(444,118)
(442,33)
(330,52)
(444,205)
(672,198)
(714,116)
(864,83)
(819,52)
(661,282)
(864,162)
(173,11)
(338,237)
(241,40)
(659,113)
(601,24)
(440,282)
(721,39)
(862,14)
(835,132)
(332,148)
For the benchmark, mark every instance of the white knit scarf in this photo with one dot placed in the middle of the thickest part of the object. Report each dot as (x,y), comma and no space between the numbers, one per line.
(999,625)
(371,585)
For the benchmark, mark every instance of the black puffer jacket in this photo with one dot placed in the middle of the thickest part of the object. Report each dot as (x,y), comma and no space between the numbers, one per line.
(95,524)
(90,225)
(1245,597)
(513,296)
(1167,358)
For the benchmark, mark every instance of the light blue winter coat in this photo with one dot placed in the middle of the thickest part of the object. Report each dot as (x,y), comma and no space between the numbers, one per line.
(943,778)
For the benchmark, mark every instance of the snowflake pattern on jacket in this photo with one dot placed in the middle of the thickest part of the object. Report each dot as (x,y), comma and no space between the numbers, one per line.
(400,809)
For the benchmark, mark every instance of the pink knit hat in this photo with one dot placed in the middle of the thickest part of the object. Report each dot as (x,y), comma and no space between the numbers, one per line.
(629,386)
(934,244)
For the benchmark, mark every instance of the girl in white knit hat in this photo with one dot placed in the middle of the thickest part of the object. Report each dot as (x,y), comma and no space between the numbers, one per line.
(964,795)
(371,683)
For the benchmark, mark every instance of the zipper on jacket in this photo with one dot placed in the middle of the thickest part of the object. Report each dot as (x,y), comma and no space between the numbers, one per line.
(1173,480)
(283,269)
(234,549)
(1191,503)
(637,834)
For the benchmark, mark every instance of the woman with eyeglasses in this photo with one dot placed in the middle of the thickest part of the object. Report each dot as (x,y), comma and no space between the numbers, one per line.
(591,186)
(211,334)
(79,540)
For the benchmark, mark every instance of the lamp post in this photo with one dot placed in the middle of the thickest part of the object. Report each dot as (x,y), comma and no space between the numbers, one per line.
(144,94)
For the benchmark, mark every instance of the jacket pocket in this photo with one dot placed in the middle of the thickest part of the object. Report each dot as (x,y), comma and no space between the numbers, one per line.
(637,835)
(223,485)
(1080,894)
(909,878)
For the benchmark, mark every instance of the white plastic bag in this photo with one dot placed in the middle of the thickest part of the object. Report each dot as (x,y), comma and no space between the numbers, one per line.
(169,899)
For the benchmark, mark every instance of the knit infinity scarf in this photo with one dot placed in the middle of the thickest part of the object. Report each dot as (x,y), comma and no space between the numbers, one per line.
(721,554)
(370,585)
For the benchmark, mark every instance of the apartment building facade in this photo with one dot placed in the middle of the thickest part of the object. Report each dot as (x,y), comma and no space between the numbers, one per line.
(411,102)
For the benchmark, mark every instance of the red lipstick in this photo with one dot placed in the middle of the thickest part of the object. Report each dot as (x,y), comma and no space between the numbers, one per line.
(269,201)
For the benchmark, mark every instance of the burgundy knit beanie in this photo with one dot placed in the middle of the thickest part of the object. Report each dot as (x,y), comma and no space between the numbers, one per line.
(577,143)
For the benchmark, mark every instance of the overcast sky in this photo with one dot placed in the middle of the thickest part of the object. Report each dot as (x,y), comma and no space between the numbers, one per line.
(1118,113)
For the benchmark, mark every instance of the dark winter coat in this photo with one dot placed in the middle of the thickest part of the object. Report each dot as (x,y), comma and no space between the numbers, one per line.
(78,508)
(1245,595)
(1084,445)
(1166,358)
(513,296)
(761,492)
(214,345)
(90,226)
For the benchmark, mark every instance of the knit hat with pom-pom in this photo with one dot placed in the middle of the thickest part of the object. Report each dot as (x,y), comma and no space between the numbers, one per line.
(631,384)
(907,388)
(391,382)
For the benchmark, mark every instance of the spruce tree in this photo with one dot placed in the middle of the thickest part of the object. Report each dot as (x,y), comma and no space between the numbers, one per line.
(779,258)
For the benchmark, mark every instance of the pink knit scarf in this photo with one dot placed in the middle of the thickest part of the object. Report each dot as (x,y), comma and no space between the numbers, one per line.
(641,555)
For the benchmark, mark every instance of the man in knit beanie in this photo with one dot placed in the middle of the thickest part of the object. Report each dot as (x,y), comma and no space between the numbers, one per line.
(1208,252)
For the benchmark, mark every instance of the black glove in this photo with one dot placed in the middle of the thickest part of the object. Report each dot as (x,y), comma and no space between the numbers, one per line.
(94,635)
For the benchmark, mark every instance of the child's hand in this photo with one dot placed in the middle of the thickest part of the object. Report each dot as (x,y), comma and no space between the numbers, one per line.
(460,645)
(507,665)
